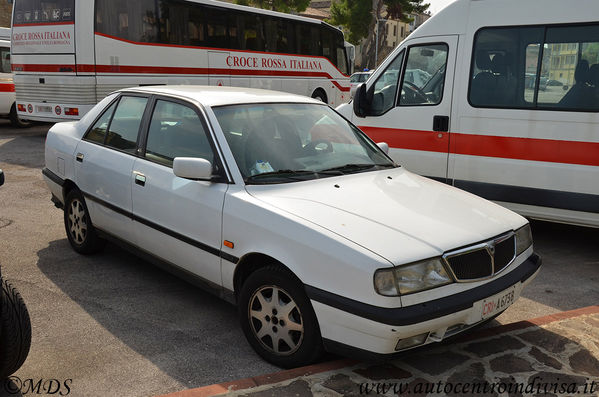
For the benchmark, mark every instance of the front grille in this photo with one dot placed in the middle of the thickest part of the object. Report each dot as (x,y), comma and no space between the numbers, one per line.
(505,251)
(482,260)
(471,265)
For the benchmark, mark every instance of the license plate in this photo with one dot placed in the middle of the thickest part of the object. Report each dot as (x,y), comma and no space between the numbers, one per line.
(498,303)
(43,109)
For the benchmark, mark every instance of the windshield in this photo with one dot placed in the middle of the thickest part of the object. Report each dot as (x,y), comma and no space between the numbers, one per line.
(287,142)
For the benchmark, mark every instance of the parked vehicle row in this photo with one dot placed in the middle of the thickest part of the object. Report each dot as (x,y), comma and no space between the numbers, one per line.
(280,205)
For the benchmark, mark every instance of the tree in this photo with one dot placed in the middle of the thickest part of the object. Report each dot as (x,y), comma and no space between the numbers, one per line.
(354,15)
(359,18)
(277,5)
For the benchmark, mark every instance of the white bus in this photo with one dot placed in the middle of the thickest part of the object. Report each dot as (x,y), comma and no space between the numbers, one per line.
(69,55)
(507,106)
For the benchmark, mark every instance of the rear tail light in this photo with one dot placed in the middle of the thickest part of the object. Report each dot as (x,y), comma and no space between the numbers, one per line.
(21,107)
(71,111)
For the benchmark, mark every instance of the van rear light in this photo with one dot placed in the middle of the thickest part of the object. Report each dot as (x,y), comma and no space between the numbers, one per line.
(21,107)
(71,111)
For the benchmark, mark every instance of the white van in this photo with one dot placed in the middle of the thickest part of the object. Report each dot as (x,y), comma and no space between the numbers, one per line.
(509,110)
(7,87)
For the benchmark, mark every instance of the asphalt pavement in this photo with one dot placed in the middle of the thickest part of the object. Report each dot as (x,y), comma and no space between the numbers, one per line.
(112,323)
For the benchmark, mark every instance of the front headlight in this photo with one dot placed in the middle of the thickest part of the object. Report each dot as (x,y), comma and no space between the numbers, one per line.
(523,239)
(410,278)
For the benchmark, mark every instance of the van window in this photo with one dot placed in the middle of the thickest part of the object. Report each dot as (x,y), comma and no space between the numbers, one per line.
(570,68)
(536,68)
(385,87)
(504,67)
(424,75)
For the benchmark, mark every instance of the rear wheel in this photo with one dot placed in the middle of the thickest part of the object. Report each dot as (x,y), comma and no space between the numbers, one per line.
(320,95)
(15,331)
(278,319)
(14,118)
(80,231)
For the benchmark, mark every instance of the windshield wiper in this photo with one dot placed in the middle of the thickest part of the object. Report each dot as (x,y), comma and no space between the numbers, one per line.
(294,175)
(349,168)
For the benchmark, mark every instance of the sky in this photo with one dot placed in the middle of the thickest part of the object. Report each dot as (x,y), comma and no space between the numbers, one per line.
(437,5)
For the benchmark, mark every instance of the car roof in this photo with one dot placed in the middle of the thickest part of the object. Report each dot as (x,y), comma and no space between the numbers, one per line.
(219,96)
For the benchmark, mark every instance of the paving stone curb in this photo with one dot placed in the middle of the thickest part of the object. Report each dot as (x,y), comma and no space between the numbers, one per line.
(562,353)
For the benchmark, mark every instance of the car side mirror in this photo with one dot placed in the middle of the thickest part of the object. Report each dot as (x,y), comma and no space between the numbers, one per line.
(192,168)
(361,101)
(1,177)
(384,147)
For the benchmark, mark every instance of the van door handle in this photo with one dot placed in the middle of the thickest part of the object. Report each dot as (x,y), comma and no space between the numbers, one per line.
(79,157)
(140,179)
(441,123)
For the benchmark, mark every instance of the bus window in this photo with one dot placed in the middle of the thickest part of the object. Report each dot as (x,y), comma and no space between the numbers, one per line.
(251,32)
(5,56)
(216,25)
(39,11)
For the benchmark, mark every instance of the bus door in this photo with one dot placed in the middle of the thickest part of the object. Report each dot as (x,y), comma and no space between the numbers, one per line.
(415,119)
(219,68)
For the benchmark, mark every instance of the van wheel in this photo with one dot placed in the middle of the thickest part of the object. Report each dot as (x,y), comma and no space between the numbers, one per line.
(277,318)
(15,331)
(320,95)
(81,233)
(14,119)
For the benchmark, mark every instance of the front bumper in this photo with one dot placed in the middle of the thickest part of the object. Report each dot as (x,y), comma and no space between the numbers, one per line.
(348,326)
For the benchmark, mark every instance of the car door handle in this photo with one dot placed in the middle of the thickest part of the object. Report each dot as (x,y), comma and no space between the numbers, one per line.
(79,157)
(140,179)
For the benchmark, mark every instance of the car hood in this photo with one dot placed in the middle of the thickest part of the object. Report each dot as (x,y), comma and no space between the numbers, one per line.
(398,215)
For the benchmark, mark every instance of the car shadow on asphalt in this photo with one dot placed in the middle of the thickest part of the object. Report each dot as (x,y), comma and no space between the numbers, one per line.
(189,334)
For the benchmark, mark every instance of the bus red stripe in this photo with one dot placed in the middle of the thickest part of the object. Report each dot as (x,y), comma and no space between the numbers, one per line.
(218,49)
(43,24)
(171,70)
(532,149)
(4,87)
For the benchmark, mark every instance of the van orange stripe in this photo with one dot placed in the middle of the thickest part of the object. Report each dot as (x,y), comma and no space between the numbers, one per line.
(532,149)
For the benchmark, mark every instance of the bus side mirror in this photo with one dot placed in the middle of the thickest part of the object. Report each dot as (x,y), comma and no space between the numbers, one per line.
(360,101)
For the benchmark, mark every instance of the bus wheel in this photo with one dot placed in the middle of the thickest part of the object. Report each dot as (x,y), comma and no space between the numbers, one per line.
(320,95)
(14,119)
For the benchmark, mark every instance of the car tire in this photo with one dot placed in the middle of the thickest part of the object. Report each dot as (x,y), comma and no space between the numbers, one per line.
(320,95)
(15,330)
(81,233)
(286,332)
(14,118)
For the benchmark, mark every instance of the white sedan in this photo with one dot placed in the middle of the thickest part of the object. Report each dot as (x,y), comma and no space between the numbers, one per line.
(280,205)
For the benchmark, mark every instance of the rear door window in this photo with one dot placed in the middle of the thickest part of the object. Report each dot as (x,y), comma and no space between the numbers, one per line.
(124,127)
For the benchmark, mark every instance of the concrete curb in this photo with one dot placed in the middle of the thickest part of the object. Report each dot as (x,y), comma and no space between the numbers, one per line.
(248,383)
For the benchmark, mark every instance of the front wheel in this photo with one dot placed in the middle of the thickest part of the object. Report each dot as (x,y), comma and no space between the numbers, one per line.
(15,330)
(80,231)
(277,318)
